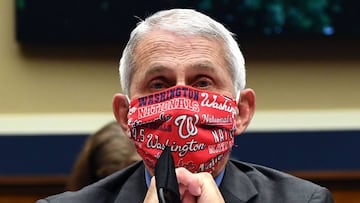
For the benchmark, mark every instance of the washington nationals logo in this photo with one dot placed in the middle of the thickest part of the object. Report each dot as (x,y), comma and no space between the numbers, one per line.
(187,125)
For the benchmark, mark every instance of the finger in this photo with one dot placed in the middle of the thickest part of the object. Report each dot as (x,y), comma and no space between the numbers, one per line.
(188,198)
(151,195)
(189,180)
(199,187)
(210,191)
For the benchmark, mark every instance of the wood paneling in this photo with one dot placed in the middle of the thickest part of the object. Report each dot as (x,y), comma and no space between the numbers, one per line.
(28,189)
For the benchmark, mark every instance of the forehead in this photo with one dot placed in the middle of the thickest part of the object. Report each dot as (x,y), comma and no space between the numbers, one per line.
(166,45)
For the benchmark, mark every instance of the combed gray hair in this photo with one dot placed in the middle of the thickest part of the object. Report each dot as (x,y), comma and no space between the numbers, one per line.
(185,22)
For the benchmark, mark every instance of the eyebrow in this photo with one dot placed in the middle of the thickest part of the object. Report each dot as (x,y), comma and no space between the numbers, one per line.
(203,66)
(197,67)
(156,69)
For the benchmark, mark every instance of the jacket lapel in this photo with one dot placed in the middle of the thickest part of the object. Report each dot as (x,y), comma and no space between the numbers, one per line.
(236,186)
(134,188)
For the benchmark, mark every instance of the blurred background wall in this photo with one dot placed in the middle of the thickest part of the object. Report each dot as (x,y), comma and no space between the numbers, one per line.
(297,75)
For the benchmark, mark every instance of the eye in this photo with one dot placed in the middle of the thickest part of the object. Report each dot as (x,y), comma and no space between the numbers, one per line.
(158,84)
(202,83)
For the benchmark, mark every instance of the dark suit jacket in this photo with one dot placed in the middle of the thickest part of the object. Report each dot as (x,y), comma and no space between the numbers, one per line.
(242,182)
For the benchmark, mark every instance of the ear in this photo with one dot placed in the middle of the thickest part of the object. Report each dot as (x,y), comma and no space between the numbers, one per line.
(246,107)
(121,109)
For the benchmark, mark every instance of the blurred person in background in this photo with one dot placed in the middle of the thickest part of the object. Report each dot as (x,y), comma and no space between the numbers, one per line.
(106,151)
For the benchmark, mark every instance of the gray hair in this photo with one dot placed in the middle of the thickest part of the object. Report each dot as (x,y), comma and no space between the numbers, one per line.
(186,22)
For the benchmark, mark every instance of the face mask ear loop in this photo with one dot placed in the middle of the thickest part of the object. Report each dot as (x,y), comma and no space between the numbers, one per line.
(237,98)
(128,99)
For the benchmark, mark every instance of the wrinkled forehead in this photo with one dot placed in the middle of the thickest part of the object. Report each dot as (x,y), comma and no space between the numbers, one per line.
(159,42)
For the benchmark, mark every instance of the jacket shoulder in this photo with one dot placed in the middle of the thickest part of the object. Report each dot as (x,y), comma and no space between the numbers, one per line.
(276,186)
(105,190)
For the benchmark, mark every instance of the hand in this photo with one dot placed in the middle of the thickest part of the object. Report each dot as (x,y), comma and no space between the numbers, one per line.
(197,187)
(193,187)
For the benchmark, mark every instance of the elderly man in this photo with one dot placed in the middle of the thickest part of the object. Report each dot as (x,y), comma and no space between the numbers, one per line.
(183,80)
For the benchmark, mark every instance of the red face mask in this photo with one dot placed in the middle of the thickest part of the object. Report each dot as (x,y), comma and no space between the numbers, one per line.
(197,125)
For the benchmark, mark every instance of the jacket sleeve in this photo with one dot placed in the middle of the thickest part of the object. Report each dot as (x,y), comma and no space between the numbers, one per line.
(321,195)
